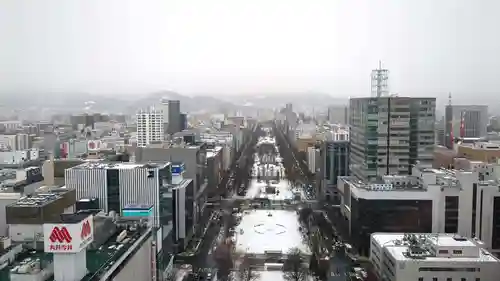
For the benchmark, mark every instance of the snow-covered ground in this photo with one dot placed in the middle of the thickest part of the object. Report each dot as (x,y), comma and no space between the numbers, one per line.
(262,233)
(257,190)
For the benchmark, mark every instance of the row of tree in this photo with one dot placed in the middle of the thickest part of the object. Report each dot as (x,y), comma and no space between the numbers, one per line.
(294,267)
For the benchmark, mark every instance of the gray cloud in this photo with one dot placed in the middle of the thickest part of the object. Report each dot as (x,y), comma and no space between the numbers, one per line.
(230,46)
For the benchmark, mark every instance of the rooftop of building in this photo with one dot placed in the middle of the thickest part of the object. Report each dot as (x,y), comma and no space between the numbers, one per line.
(482,145)
(42,197)
(100,261)
(211,152)
(119,166)
(440,247)
(420,180)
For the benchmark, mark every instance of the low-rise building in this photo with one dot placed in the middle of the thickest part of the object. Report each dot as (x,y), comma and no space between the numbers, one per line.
(85,246)
(426,257)
(488,152)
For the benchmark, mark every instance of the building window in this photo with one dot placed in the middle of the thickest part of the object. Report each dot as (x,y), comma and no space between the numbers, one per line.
(449,279)
(420,278)
(434,279)
(457,252)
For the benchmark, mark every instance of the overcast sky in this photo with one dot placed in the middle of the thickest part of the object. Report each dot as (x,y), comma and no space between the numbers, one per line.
(232,46)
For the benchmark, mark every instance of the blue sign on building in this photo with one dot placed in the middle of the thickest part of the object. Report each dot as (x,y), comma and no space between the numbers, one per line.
(177,169)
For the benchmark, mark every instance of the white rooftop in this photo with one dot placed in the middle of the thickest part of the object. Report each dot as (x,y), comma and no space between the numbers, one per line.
(433,247)
(119,166)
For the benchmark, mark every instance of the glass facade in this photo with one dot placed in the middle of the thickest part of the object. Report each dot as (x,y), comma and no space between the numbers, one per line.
(165,200)
(113,190)
(165,221)
(369,216)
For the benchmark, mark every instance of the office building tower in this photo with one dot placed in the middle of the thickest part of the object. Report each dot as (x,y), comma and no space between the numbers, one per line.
(334,163)
(149,127)
(390,134)
(118,185)
(337,114)
(183,121)
(172,113)
(473,117)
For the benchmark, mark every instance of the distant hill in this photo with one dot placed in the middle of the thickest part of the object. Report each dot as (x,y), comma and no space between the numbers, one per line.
(76,102)
(277,100)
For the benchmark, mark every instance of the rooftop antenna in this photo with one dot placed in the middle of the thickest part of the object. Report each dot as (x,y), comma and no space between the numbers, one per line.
(452,137)
(379,79)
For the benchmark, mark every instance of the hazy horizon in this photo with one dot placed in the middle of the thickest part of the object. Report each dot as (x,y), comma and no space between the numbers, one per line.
(231,47)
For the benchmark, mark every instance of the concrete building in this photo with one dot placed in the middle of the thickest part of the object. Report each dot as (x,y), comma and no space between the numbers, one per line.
(182,207)
(194,158)
(118,185)
(436,257)
(334,163)
(337,114)
(488,152)
(312,154)
(19,141)
(86,246)
(11,126)
(150,128)
(475,120)
(428,201)
(390,134)
(27,215)
(215,170)
(172,112)
(443,157)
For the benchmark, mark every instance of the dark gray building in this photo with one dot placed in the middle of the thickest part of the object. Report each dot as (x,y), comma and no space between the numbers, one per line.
(172,115)
(334,163)
(194,159)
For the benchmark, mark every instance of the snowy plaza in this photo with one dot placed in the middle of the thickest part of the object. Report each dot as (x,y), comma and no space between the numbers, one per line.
(263,233)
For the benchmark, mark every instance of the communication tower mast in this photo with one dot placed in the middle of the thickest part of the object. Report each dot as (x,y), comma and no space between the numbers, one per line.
(379,78)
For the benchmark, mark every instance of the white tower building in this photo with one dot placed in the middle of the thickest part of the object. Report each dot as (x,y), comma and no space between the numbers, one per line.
(150,127)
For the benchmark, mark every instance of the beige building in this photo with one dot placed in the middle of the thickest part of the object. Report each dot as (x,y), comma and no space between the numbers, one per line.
(488,152)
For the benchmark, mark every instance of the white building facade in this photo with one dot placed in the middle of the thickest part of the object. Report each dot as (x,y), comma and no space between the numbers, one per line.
(431,257)
(150,127)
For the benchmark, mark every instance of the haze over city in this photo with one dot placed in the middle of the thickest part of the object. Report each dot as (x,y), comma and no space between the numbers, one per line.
(227,47)
(258,140)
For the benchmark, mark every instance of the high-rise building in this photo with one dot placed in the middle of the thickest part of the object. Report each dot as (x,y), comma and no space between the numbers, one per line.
(150,128)
(171,115)
(184,122)
(474,118)
(390,134)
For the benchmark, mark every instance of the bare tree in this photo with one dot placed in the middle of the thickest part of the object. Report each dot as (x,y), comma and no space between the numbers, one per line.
(305,214)
(293,268)
(245,270)
(223,257)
